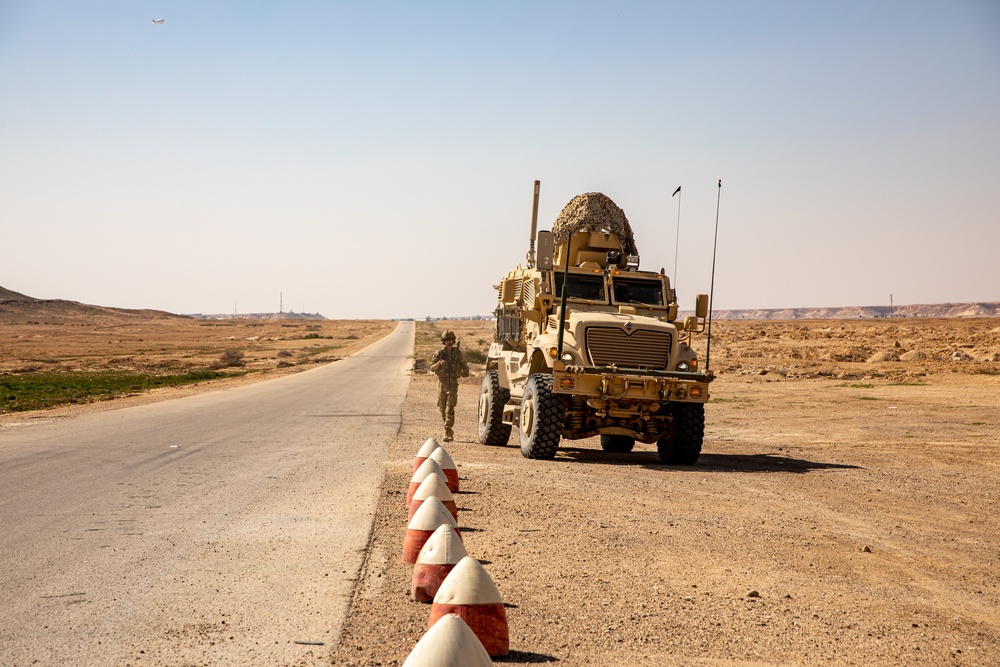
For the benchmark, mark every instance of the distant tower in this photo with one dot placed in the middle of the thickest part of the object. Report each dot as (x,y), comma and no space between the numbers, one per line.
(281,302)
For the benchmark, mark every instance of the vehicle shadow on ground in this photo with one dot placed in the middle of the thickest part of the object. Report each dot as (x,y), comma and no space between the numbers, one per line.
(706,462)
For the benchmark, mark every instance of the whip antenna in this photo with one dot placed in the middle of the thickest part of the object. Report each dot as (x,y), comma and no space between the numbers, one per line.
(711,288)
(677,241)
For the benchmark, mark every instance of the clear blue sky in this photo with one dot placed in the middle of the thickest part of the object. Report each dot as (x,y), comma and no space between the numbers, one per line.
(377,159)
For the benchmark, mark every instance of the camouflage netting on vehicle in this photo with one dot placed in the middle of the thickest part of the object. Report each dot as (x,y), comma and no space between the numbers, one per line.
(594,212)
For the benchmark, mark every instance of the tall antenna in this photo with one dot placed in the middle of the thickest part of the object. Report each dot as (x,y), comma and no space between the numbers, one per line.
(711,289)
(281,302)
(677,241)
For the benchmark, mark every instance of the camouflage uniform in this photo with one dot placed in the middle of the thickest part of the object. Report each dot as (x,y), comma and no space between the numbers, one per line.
(452,367)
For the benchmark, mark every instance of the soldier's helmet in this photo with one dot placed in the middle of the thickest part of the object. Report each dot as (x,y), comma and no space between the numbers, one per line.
(447,335)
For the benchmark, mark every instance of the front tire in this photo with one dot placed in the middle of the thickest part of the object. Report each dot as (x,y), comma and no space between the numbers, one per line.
(618,444)
(492,398)
(683,445)
(541,418)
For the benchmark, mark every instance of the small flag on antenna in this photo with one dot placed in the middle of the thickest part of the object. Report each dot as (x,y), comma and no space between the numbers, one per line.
(677,190)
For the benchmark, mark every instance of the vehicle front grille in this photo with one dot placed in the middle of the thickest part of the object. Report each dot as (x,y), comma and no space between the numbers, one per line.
(609,346)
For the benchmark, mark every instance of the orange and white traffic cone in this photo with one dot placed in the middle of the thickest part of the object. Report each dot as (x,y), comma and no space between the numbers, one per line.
(430,444)
(450,643)
(438,557)
(470,592)
(444,460)
(425,469)
(433,485)
(425,521)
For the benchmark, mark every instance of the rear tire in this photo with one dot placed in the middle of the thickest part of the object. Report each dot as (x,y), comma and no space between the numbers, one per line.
(618,444)
(492,398)
(683,445)
(541,418)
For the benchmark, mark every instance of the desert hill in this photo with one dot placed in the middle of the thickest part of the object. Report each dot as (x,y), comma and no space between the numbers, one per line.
(982,309)
(17,307)
(20,308)
(6,294)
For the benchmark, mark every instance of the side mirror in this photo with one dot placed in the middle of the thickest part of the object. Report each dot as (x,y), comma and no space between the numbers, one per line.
(701,306)
(545,248)
(692,323)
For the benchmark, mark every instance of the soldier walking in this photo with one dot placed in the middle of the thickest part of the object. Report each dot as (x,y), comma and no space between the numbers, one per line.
(448,364)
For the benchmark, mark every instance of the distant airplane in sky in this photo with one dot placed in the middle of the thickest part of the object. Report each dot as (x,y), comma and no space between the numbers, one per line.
(159,21)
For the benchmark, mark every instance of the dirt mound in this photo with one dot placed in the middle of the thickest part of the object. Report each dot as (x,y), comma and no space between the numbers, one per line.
(884,355)
(914,355)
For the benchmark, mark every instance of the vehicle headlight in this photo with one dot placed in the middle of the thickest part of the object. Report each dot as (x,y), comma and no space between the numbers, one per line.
(567,358)
(683,366)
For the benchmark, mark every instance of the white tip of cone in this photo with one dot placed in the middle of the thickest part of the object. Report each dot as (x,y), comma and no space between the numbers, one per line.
(430,444)
(449,643)
(467,584)
(443,547)
(433,485)
(431,514)
(443,458)
(426,468)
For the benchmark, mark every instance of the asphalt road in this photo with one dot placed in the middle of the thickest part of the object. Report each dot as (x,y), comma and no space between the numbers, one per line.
(222,528)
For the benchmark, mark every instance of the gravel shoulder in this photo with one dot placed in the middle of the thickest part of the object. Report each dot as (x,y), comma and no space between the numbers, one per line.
(828,521)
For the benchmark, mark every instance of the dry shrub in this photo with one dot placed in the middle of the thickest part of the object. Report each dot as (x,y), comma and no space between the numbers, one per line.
(229,359)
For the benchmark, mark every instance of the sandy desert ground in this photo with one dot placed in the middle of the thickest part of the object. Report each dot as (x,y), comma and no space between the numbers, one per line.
(844,510)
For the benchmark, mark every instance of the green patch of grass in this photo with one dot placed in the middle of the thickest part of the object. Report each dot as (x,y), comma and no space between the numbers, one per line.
(867,398)
(856,385)
(37,391)
(314,336)
(908,384)
(977,423)
(731,400)
(474,356)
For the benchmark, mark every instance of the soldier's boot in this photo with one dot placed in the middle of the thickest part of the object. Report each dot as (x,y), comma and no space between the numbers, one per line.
(449,435)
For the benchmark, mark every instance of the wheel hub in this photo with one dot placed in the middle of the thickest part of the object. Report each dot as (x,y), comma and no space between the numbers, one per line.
(527,417)
(484,406)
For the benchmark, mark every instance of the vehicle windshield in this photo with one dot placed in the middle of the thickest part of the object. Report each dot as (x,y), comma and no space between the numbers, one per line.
(632,290)
(585,286)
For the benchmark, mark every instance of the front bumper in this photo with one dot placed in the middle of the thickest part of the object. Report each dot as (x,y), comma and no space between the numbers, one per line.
(614,384)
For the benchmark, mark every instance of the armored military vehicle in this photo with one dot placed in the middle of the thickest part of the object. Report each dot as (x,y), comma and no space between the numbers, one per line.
(587,344)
